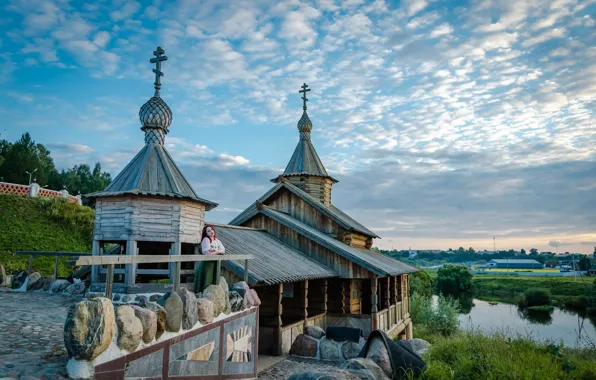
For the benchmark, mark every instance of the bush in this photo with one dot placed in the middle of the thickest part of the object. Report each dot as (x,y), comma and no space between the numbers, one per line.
(421,283)
(536,297)
(454,279)
(441,317)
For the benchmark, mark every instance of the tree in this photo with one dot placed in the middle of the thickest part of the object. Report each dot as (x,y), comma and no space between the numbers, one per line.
(533,251)
(24,156)
(584,263)
(522,251)
(421,283)
(454,279)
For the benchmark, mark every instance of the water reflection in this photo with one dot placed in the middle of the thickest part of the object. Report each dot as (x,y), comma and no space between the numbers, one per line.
(559,325)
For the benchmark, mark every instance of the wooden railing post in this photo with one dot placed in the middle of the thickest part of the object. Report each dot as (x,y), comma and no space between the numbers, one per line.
(56,268)
(30,263)
(217,272)
(109,281)
(176,275)
(246,271)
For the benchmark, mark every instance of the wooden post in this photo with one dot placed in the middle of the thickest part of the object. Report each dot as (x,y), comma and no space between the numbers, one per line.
(373,294)
(109,281)
(131,269)
(324,302)
(176,276)
(388,293)
(96,251)
(344,306)
(277,336)
(409,331)
(395,295)
(304,300)
(217,272)
(30,264)
(246,271)
(56,268)
(174,250)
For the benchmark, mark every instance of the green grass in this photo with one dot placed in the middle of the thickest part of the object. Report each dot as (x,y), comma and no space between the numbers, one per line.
(493,303)
(34,224)
(542,308)
(473,355)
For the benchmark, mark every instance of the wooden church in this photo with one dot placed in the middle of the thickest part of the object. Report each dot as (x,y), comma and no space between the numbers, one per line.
(313,263)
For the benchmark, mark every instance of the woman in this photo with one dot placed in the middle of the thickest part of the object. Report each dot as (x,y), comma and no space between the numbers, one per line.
(210,245)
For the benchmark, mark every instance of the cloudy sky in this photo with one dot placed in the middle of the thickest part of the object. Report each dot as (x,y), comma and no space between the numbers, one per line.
(446,123)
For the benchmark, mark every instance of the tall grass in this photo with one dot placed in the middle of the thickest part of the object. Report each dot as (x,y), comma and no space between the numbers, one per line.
(441,317)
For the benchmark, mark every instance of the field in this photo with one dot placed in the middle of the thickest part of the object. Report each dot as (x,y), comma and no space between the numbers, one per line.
(511,270)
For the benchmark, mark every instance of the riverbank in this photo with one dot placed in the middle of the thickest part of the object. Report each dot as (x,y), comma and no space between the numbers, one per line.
(473,355)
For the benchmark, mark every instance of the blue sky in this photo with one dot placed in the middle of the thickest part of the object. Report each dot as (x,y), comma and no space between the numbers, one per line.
(446,123)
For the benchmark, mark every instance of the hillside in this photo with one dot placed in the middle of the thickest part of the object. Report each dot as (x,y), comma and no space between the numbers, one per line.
(37,224)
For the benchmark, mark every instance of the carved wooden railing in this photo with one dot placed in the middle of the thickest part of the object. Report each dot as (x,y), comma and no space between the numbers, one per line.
(387,319)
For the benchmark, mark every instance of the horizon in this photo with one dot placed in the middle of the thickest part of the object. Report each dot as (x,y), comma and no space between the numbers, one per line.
(446,123)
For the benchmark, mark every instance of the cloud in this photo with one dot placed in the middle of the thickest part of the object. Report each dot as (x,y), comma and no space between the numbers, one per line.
(129,9)
(441,30)
(414,6)
(70,148)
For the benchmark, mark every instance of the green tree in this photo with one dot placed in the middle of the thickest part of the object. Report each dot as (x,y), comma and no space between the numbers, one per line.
(454,279)
(24,156)
(522,251)
(584,263)
(81,179)
(533,251)
(421,283)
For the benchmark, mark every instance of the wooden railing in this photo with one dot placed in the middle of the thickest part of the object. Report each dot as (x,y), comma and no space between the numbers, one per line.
(57,254)
(390,317)
(111,260)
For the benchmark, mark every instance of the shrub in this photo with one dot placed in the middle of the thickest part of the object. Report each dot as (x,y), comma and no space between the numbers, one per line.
(441,317)
(454,279)
(576,303)
(536,297)
(421,283)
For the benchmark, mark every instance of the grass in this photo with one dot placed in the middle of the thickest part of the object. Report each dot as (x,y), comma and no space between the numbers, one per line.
(542,308)
(493,303)
(505,270)
(34,224)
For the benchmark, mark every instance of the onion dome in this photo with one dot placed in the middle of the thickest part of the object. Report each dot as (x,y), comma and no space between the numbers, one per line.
(155,114)
(304,126)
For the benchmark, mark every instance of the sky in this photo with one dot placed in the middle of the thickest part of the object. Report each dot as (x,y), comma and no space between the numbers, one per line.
(446,123)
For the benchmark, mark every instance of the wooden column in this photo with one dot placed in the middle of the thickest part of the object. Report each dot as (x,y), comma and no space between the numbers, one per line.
(373,301)
(131,269)
(277,344)
(395,291)
(174,250)
(388,293)
(324,301)
(95,251)
(409,331)
(304,300)
(345,298)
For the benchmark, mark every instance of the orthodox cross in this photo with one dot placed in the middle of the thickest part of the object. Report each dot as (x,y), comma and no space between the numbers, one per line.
(304,91)
(160,56)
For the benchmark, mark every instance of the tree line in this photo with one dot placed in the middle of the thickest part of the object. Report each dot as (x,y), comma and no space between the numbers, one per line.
(25,159)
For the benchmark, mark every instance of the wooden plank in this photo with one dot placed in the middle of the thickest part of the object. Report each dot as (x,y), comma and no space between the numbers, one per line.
(51,253)
(30,264)
(109,281)
(142,259)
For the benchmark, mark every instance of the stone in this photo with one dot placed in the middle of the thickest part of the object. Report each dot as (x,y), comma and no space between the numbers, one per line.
(48,283)
(364,368)
(130,328)
(224,284)
(329,349)
(256,301)
(161,314)
(378,353)
(149,322)
(59,286)
(8,280)
(241,287)
(330,374)
(216,294)
(18,279)
(89,328)
(205,310)
(351,350)
(2,276)
(126,298)
(78,288)
(34,281)
(304,346)
(174,309)
(237,303)
(116,297)
(155,297)
(189,305)
(141,298)
(314,332)
(420,346)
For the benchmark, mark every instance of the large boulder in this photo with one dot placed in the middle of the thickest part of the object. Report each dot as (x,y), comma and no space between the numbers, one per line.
(378,353)
(314,332)
(19,279)
(78,288)
(364,368)
(48,283)
(59,286)
(149,321)
(420,346)
(2,276)
(34,281)
(162,316)
(237,303)
(89,328)
(189,304)
(304,346)
(329,349)
(224,285)
(130,328)
(330,374)
(256,301)
(205,310)
(243,289)
(351,350)
(218,296)
(174,309)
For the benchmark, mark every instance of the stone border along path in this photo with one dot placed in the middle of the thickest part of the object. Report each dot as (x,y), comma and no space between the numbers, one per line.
(31,335)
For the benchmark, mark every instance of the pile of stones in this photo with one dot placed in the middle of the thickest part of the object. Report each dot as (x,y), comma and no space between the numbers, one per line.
(314,344)
(91,324)
(35,282)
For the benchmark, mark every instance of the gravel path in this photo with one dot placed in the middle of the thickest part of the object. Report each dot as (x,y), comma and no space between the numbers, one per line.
(31,335)
(291,365)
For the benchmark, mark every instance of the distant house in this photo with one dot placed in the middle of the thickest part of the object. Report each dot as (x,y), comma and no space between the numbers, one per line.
(551,264)
(592,271)
(485,252)
(515,264)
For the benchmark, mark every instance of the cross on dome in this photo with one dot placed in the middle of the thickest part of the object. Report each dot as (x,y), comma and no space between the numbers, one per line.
(304,90)
(160,56)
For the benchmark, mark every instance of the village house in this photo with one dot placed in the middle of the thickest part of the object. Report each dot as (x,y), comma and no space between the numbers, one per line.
(313,263)
(515,264)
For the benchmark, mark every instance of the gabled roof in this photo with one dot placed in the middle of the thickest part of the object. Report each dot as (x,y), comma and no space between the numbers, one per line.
(331,212)
(305,161)
(152,172)
(274,261)
(375,262)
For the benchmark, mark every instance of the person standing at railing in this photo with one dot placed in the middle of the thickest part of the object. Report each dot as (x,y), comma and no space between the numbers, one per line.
(210,245)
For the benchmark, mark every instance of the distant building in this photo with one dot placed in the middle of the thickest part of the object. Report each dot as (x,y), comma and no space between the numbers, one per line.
(485,252)
(515,264)
(546,253)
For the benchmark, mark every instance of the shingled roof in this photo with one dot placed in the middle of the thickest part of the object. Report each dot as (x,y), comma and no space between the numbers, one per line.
(274,261)
(152,172)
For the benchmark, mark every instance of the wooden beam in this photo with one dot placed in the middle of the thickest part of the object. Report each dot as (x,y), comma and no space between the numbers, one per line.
(277,333)
(305,298)
(373,294)
(109,281)
(131,269)
(56,261)
(50,253)
(345,306)
(246,271)
(30,264)
(143,259)
(387,293)
(324,303)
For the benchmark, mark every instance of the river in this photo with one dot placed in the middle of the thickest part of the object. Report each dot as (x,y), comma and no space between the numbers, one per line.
(558,325)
